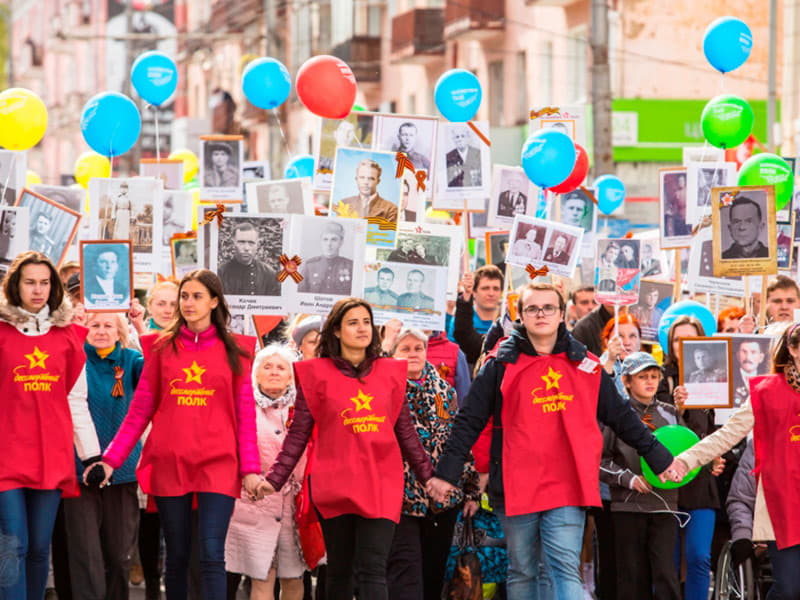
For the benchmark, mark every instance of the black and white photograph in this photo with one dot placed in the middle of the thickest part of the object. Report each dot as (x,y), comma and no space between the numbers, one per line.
(413,135)
(204,230)
(479,221)
(700,271)
(655,263)
(751,358)
(541,242)
(412,199)
(785,245)
(14,233)
(617,271)
(12,175)
(169,171)
(183,253)
(527,244)
(354,131)
(463,162)
(496,248)
(675,225)
(332,267)
(106,275)
(705,370)
(654,298)
(74,199)
(414,294)
(700,178)
(744,234)
(256,169)
(176,214)
(52,226)
(569,119)
(221,163)
(576,209)
(565,126)
(512,194)
(281,197)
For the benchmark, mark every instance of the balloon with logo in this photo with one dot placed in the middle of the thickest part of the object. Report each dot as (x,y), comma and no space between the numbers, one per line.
(726,120)
(689,308)
(266,83)
(548,157)
(579,172)
(326,86)
(90,165)
(769,169)
(609,192)
(299,166)
(458,95)
(23,119)
(727,43)
(191,165)
(154,76)
(676,438)
(110,123)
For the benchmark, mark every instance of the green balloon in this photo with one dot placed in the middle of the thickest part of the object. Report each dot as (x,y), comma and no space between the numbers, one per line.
(727,121)
(769,169)
(676,438)
(357,108)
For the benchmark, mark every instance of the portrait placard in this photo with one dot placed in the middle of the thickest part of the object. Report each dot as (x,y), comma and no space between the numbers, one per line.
(512,194)
(539,242)
(183,253)
(570,119)
(415,136)
(169,171)
(414,294)
(785,244)
(496,243)
(706,371)
(656,263)
(576,209)
(12,175)
(463,162)
(654,298)
(176,219)
(617,271)
(52,226)
(282,197)
(256,169)
(700,271)
(106,275)
(675,225)
(74,199)
(221,163)
(700,178)
(354,131)
(14,233)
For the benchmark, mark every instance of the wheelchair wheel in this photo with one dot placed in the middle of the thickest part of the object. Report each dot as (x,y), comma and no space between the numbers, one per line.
(732,583)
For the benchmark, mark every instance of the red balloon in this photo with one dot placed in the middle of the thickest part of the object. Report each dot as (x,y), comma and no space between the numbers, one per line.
(326,86)
(578,174)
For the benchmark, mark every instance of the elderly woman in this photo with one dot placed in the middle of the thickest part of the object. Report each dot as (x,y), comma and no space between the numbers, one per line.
(262,540)
(422,539)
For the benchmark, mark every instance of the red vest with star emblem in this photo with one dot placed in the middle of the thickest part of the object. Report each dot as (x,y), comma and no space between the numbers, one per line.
(357,465)
(37,374)
(551,440)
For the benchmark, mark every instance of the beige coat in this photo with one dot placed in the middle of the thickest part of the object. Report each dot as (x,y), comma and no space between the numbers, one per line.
(718,443)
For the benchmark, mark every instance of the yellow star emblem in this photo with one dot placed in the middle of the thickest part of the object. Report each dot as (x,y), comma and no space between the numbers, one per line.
(37,358)
(551,379)
(362,401)
(194,373)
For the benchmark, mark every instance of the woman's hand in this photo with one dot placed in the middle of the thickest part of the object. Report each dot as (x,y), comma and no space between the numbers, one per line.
(390,330)
(257,487)
(717,466)
(747,324)
(136,315)
(614,348)
(680,395)
(641,485)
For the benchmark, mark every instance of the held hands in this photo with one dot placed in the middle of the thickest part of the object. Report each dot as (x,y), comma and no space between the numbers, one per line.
(439,489)
(717,466)
(257,487)
(107,472)
(675,472)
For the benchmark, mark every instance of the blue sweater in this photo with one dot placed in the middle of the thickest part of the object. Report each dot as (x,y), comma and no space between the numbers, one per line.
(108,411)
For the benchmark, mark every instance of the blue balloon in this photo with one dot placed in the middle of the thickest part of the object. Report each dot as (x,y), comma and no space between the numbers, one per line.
(154,76)
(610,193)
(299,166)
(727,43)
(689,308)
(548,157)
(266,83)
(110,123)
(458,95)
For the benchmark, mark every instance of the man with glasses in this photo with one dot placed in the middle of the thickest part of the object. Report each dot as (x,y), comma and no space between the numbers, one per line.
(546,394)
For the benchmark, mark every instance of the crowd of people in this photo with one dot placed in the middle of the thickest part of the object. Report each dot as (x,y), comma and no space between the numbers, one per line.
(348,459)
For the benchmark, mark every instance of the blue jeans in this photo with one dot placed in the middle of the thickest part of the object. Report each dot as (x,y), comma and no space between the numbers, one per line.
(697,536)
(540,543)
(785,567)
(213,516)
(26,526)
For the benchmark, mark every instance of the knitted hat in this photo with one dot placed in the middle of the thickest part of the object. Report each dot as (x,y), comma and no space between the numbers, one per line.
(313,323)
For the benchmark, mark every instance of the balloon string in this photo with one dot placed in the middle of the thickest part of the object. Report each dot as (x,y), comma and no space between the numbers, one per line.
(158,148)
(541,207)
(283,135)
(8,177)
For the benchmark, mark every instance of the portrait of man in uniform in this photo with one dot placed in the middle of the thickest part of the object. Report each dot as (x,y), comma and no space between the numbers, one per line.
(221,170)
(407,142)
(244,274)
(749,360)
(382,294)
(368,202)
(414,297)
(328,273)
(463,162)
(746,225)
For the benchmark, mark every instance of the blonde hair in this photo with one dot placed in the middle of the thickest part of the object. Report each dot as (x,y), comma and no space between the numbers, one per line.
(122,326)
(161,285)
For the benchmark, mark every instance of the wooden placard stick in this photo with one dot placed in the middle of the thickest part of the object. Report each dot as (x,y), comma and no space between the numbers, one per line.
(676,288)
(762,307)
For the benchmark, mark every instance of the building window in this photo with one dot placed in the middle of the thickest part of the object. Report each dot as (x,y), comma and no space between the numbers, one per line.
(577,65)
(496,92)
(545,81)
(523,107)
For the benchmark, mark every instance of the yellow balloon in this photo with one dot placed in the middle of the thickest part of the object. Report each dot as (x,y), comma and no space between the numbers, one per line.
(190,163)
(195,206)
(23,119)
(90,165)
(32,178)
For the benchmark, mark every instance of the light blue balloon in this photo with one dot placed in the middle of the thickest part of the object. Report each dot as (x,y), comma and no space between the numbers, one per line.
(458,95)
(110,123)
(548,157)
(689,308)
(610,193)
(266,83)
(299,166)
(154,76)
(727,43)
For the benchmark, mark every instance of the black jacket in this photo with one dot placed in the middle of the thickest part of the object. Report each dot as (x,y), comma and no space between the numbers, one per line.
(485,400)
(589,327)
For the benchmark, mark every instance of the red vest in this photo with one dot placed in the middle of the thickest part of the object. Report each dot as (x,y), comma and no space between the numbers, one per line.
(192,446)
(356,463)
(776,435)
(551,440)
(36,374)
(443,355)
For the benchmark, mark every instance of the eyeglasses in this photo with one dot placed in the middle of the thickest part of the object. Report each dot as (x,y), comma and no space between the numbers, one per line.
(548,310)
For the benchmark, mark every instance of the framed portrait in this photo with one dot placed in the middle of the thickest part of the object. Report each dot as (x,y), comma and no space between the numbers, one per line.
(785,244)
(750,355)
(675,225)
(332,267)
(414,294)
(169,171)
(576,209)
(283,197)
(617,276)
(270,329)
(540,242)
(700,178)
(706,371)
(14,233)
(183,253)
(365,187)
(106,275)
(354,131)
(654,298)
(204,211)
(413,135)
(221,163)
(463,162)
(700,270)
(245,253)
(52,226)
(239,323)
(570,119)
(512,194)
(497,243)
(256,169)
(744,235)
(74,199)
(13,167)
(656,263)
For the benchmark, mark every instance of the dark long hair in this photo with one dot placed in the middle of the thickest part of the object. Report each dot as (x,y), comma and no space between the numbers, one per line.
(329,345)
(220,318)
(670,358)
(12,279)
(780,355)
